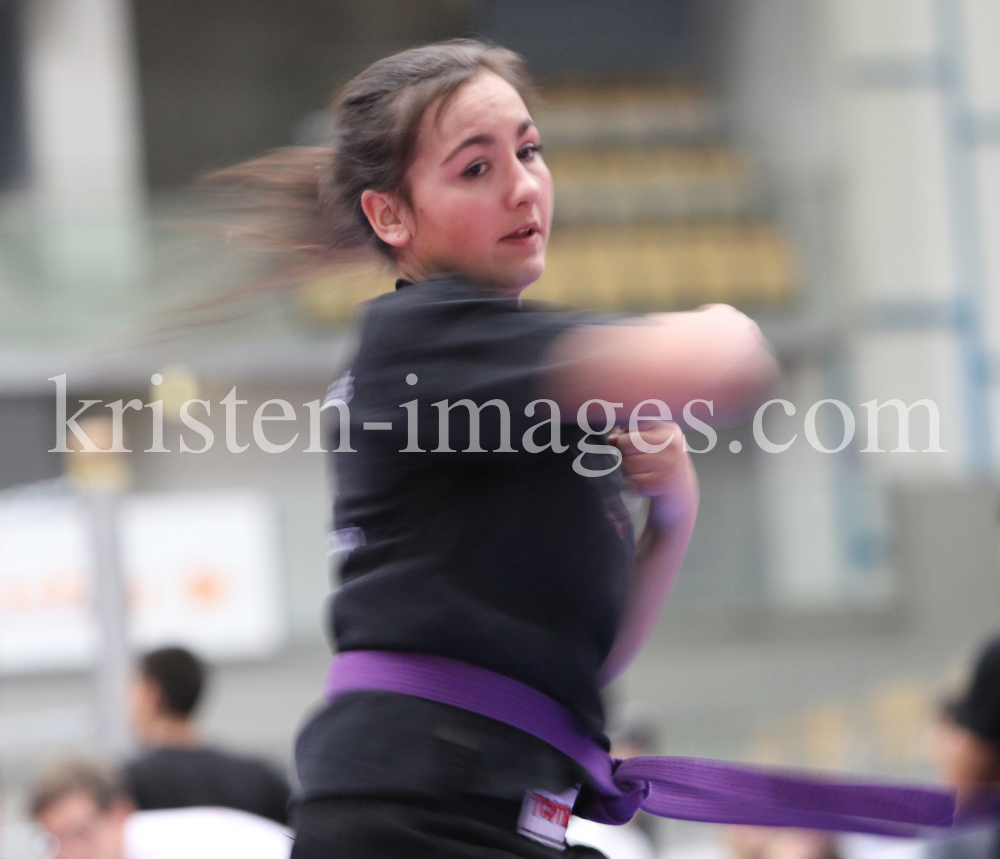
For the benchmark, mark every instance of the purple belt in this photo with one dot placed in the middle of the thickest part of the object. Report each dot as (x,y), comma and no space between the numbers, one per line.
(683,788)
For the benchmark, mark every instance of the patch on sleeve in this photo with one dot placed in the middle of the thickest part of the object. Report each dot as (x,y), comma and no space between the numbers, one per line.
(345,540)
(341,391)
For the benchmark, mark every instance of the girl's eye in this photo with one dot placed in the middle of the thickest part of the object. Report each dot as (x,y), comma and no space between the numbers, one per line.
(476,169)
(527,153)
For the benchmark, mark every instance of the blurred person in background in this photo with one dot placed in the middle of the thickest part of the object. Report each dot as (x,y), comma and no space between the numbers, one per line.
(520,564)
(176,770)
(84,812)
(760,842)
(968,752)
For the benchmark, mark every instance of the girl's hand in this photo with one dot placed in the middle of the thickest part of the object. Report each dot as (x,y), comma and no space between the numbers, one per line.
(666,476)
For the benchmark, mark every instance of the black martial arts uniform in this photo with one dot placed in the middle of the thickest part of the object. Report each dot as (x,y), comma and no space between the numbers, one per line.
(514,561)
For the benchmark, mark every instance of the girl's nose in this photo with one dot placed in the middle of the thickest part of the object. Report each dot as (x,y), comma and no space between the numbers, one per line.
(526,187)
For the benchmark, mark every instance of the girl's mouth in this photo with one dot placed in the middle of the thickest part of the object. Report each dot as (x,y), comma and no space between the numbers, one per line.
(526,232)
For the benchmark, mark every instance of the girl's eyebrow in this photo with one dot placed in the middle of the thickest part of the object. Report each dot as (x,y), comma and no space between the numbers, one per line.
(484,140)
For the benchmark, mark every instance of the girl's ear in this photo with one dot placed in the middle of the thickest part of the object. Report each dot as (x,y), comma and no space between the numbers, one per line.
(385,213)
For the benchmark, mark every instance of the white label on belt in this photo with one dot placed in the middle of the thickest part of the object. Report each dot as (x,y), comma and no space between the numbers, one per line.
(545,816)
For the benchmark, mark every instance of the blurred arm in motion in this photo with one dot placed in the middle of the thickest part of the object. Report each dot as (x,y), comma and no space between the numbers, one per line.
(715,353)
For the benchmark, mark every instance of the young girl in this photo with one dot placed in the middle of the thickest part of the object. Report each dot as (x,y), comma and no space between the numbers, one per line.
(478,491)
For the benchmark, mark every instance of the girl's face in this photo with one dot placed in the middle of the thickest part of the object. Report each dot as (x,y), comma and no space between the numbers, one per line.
(480,195)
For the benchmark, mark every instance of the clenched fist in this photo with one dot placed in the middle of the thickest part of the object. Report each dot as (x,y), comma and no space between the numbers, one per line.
(656,464)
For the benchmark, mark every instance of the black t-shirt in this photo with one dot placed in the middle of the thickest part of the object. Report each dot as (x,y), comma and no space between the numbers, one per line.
(515,561)
(181,778)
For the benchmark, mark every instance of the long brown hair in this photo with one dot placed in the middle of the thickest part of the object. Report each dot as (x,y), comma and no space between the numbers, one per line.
(308,199)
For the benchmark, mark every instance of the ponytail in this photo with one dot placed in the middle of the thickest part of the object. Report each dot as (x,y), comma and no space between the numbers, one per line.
(287,206)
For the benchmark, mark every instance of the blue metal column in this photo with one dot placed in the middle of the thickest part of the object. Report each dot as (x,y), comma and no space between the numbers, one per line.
(966,228)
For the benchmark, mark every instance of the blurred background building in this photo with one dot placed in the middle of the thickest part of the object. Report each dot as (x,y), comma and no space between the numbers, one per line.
(830,166)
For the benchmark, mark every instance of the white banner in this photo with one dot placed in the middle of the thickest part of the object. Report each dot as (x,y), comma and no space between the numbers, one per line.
(201,570)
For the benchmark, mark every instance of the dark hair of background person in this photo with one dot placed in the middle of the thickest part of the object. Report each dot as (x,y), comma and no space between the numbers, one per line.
(308,199)
(178,674)
(978,708)
(103,784)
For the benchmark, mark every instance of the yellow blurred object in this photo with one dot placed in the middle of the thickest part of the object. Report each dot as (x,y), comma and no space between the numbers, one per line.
(769,745)
(827,734)
(663,266)
(709,161)
(650,183)
(330,299)
(903,715)
(652,210)
(102,470)
(175,385)
(592,115)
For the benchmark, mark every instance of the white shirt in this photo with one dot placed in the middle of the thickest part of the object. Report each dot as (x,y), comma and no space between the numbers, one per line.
(204,833)
(616,842)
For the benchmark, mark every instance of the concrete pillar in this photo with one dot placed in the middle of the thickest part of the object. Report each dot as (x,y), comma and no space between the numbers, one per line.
(113,665)
(86,185)
(84,153)
(82,108)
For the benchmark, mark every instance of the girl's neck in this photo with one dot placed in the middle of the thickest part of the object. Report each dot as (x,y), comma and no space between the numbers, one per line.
(417,275)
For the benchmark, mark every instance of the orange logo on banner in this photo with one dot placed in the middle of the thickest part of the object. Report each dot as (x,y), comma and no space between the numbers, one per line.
(205,587)
(59,590)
